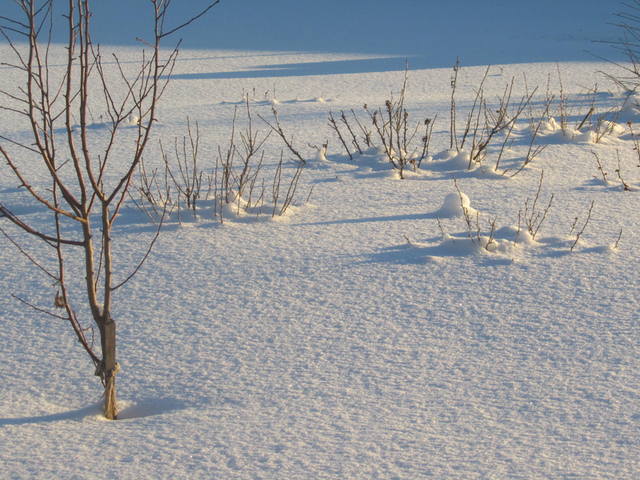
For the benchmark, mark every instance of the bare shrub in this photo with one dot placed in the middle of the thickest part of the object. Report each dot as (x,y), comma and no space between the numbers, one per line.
(405,144)
(533,215)
(474,230)
(235,179)
(584,226)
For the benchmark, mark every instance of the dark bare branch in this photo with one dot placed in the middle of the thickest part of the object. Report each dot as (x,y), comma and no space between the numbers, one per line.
(188,22)
(147,253)
(27,255)
(39,309)
(27,228)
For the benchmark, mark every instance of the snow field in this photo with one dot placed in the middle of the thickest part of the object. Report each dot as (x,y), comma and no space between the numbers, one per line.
(329,346)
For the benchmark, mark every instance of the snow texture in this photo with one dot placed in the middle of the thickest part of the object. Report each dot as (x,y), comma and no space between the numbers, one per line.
(374,332)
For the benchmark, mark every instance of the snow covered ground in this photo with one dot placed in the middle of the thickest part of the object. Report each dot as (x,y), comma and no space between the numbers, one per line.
(369,333)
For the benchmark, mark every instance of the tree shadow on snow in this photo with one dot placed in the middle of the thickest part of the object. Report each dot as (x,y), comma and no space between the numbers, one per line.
(407,254)
(332,67)
(129,410)
(77,414)
(388,218)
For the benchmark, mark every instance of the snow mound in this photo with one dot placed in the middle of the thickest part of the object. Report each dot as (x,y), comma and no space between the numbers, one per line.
(630,110)
(553,132)
(455,205)
(506,242)
(321,154)
(458,160)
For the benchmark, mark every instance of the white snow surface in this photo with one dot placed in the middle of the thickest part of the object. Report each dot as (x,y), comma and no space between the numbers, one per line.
(365,335)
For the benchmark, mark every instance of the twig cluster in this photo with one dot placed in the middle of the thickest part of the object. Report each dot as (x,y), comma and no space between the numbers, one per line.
(533,215)
(474,230)
(392,129)
(625,184)
(234,180)
(584,226)
(629,25)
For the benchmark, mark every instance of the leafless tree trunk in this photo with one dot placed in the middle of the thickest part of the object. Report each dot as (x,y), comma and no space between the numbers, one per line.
(85,189)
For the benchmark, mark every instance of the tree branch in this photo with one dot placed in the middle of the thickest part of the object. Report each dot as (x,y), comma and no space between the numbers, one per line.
(191,20)
(47,238)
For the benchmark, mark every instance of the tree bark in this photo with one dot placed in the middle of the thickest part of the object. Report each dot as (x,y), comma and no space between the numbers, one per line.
(110,369)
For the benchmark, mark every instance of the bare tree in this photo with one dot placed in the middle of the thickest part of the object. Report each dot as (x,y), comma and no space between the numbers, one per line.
(628,23)
(84,188)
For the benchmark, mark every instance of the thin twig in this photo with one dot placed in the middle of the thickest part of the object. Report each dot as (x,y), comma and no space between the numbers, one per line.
(586,222)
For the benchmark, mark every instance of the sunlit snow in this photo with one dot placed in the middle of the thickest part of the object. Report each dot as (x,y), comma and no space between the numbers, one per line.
(381,327)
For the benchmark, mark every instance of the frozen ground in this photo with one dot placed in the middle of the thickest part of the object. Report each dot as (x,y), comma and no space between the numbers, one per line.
(353,338)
